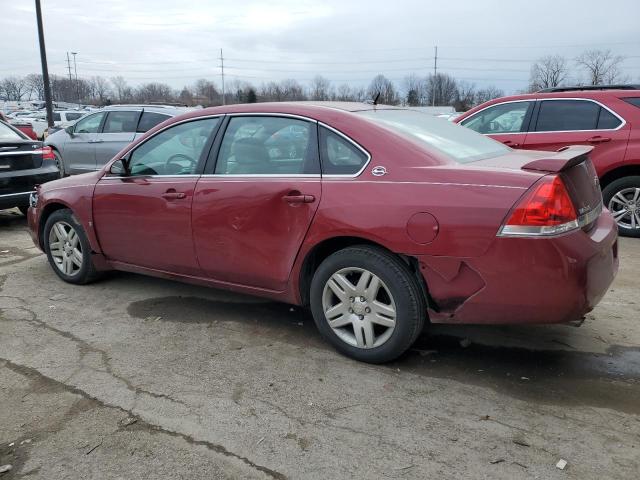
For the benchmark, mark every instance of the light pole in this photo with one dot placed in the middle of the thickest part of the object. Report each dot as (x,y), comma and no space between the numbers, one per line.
(45,69)
(75,68)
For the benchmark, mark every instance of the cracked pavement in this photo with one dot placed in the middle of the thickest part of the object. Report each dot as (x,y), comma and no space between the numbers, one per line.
(136,377)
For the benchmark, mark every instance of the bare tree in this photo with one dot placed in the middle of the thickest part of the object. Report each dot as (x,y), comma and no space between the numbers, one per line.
(415,89)
(13,88)
(320,88)
(101,89)
(208,92)
(36,86)
(548,72)
(292,90)
(465,96)
(601,66)
(154,92)
(441,89)
(122,90)
(488,93)
(384,89)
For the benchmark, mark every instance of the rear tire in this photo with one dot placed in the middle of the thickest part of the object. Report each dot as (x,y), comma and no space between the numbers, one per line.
(367,303)
(59,164)
(622,198)
(68,248)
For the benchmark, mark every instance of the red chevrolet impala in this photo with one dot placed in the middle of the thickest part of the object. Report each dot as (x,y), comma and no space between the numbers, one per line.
(378,218)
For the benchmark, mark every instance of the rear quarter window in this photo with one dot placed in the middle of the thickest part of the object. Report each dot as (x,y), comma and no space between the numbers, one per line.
(635,101)
(340,156)
(150,120)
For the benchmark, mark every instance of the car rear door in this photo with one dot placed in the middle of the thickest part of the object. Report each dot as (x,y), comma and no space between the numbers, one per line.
(143,218)
(506,122)
(256,201)
(118,131)
(561,122)
(79,151)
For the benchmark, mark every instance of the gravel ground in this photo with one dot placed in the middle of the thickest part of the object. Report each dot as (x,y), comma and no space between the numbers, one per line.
(135,377)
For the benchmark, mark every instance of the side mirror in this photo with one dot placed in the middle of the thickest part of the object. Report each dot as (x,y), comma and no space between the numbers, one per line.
(119,168)
(69,130)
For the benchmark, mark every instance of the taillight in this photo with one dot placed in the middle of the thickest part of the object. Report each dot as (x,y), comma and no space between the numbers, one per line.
(47,153)
(546,209)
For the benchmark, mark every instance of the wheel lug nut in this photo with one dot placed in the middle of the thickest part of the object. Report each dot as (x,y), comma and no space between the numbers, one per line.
(361,317)
(351,298)
(368,310)
(362,299)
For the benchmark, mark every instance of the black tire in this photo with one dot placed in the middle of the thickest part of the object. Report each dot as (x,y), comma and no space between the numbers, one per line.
(610,191)
(403,286)
(59,164)
(87,271)
(24,210)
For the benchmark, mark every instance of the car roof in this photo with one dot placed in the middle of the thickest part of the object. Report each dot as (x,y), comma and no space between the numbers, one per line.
(165,109)
(589,93)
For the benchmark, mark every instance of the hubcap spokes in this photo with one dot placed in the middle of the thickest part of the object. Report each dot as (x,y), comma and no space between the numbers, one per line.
(65,248)
(359,307)
(625,207)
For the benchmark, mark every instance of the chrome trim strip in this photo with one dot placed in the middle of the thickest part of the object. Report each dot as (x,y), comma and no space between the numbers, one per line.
(15,194)
(271,114)
(436,183)
(261,175)
(31,152)
(355,144)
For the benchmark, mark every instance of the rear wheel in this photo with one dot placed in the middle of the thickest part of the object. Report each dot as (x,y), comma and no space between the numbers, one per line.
(367,303)
(622,198)
(59,164)
(68,248)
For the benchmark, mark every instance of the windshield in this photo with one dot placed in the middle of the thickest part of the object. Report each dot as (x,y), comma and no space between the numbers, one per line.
(8,134)
(459,143)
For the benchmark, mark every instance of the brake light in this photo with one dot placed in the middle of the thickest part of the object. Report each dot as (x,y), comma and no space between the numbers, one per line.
(47,154)
(546,209)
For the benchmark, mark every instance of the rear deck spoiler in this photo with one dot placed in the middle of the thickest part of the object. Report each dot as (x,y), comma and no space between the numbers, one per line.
(563,159)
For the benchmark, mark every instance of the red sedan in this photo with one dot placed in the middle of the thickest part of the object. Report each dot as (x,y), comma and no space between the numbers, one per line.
(379,219)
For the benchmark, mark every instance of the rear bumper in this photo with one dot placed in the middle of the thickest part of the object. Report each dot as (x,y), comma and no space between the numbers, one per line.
(526,280)
(15,186)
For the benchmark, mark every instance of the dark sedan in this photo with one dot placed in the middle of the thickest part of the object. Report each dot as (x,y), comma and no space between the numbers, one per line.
(24,163)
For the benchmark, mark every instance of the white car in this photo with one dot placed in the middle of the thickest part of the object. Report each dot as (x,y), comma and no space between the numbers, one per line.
(39,119)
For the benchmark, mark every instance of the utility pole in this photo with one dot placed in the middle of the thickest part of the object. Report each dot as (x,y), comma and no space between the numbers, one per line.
(75,68)
(222,72)
(435,74)
(69,66)
(45,69)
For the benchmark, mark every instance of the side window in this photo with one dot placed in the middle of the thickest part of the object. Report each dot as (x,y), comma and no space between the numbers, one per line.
(339,156)
(502,118)
(268,145)
(73,116)
(174,151)
(567,115)
(607,120)
(89,124)
(150,120)
(119,122)
(56,117)
(633,101)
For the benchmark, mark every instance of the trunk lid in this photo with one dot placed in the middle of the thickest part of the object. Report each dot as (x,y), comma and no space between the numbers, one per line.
(20,155)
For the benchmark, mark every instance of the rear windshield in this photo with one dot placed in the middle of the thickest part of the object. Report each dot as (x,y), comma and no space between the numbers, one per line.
(8,134)
(457,142)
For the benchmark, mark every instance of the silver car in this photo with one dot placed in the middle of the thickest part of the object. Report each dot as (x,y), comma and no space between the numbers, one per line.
(94,139)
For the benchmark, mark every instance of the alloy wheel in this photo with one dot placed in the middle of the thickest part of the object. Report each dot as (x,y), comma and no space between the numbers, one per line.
(65,248)
(625,208)
(359,308)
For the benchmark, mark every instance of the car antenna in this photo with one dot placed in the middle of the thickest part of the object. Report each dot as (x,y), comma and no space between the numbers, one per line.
(375,100)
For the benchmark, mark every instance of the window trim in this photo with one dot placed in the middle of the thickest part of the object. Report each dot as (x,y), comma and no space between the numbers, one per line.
(526,121)
(212,160)
(349,140)
(540,100)
(201,161)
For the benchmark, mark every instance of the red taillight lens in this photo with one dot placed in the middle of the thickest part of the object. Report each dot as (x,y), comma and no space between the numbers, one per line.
(47,153)
(546,209)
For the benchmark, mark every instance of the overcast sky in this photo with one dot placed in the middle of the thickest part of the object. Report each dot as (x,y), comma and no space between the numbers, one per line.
(480,41)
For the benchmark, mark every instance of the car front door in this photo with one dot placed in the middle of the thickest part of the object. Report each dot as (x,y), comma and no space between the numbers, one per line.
(505,122)
(79,152)
(143,218)
(252,210)
(117,132)
(563,122)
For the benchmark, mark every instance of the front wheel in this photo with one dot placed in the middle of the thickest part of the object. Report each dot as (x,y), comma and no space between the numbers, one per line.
(68,248)
(622,198)
(367,303)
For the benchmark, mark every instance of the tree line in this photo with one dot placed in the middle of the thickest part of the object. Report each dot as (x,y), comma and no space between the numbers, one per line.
(593,67)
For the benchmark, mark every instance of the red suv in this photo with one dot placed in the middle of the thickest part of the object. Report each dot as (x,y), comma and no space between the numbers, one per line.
(606,117)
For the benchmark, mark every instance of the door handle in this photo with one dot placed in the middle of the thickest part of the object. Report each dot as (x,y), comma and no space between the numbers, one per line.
(598,139)
(95,141)
(511,144)
(171,194)
(297,197)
